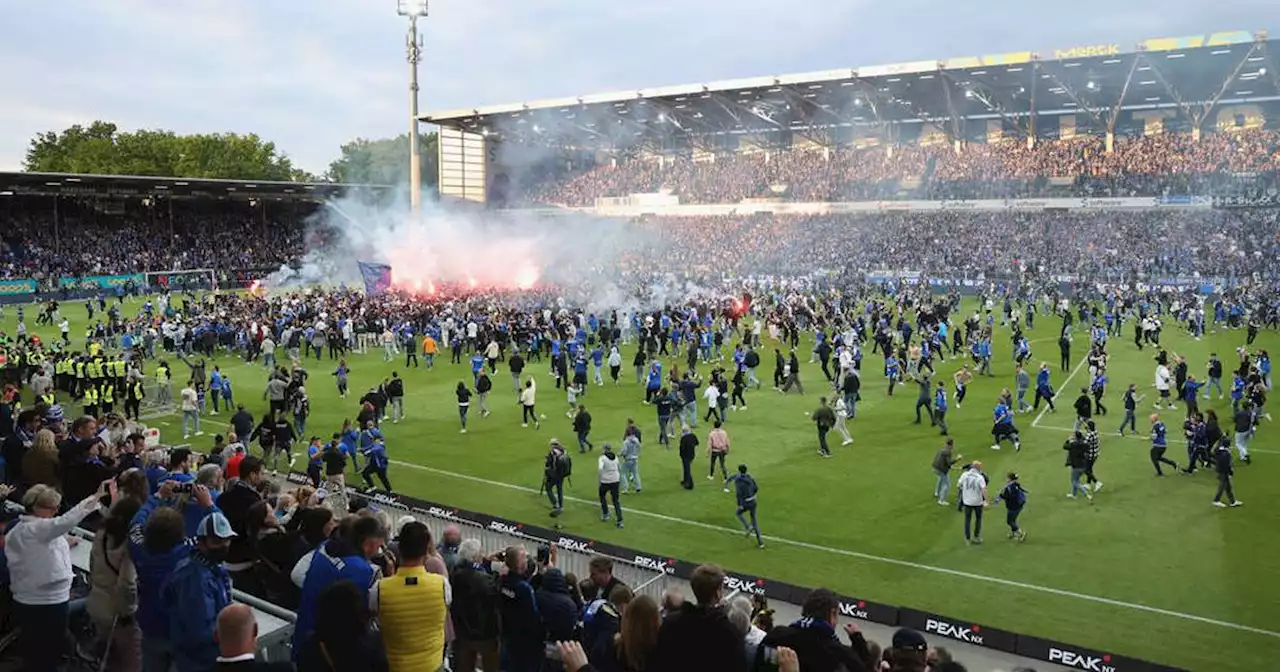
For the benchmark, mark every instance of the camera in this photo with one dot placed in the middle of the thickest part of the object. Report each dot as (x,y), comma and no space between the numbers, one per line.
(544,554)
(183,488)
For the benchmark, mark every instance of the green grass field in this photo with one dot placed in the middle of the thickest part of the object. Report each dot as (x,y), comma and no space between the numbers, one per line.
(1149,570)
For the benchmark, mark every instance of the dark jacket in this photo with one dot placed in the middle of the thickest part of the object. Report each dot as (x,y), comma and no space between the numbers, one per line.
(817,647)
(1077,454)
(234,504)
(1222,461)
(521,624)
(253,666)
(360,653)
(1084,407)
(696,639)
(475,603)
(559,611)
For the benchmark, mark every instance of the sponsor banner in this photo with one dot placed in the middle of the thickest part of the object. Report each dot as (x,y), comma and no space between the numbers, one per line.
(1246,202)
(1079,658)
(1087,51)
(101,281)
(960,631)
(1071,657)
(17,287)
(897,69)
(864,610)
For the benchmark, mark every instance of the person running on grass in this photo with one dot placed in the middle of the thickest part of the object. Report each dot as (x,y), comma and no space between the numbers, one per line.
(745,490)
(1014,497)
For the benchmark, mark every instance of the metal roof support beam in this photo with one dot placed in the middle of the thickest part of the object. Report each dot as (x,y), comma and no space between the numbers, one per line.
(991,104)
(869,90)
(1173,93)
(1198,120)
(956,133)
(1075,98)
(1031,117)
(1114,114)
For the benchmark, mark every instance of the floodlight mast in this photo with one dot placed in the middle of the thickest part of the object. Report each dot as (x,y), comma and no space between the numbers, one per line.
(413,52)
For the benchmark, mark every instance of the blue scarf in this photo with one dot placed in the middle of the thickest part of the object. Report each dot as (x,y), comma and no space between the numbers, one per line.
(813,624)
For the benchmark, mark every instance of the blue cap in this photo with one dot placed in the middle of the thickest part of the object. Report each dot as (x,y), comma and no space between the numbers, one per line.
(215,525)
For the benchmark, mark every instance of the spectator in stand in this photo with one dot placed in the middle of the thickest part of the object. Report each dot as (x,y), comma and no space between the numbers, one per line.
(700,637)
(910,652)
(600,571)
(522,641)
(346,558)
(342,639)
(237,637)
(556,606)
(412,606)
(157,543)
(814,639)
(475,609)
(235,504)
(199,588)
(39,559)
(113,593)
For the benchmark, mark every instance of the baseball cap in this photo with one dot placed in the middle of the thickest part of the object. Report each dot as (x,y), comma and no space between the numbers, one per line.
(904,639)
(217,525)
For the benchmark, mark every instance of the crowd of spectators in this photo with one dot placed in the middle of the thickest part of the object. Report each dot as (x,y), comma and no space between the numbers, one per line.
(85,241)
(1152,165)
(176,531)
(1109,245)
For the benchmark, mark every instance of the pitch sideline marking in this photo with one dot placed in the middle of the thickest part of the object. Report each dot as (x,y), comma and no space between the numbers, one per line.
(1058,392)
(875,558)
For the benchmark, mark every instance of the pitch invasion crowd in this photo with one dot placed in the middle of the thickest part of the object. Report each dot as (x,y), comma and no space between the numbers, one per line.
(180,528)
(301,552)
(1170,163)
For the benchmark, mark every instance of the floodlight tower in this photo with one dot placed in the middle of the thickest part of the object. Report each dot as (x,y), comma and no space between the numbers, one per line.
(414,9)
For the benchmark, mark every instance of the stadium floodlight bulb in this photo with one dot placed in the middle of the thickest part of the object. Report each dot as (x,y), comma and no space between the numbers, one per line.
(411,7)
(1092,85)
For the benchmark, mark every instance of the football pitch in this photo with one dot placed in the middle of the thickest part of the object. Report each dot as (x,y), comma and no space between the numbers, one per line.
(1149,569)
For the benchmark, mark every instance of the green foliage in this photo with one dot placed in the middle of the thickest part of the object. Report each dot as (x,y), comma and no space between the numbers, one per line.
(384,161)
(102,149)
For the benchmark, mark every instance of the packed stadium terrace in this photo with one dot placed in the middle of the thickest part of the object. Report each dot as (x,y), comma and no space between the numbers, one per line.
(1112,245)
(1168,163)
(83,240)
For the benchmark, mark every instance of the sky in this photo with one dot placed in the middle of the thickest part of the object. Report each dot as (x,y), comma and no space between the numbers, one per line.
(315,75)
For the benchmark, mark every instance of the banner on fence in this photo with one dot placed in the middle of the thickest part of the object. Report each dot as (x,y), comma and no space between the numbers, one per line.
(17,287)
(100,281)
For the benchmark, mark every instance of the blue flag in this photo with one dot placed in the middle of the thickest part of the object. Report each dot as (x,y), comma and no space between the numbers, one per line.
(377,277)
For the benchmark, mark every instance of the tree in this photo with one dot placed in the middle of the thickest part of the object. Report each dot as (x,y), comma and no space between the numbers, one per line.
(384,161)
(102,149)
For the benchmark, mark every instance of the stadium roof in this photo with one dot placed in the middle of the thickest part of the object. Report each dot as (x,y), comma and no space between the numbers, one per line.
(1191,74)
(65,184)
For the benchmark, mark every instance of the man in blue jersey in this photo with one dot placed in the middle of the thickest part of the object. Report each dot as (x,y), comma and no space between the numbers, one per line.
(1159,444)
(1003,427)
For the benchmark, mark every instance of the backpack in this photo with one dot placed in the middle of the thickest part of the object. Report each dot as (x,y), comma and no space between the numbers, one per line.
(559,466)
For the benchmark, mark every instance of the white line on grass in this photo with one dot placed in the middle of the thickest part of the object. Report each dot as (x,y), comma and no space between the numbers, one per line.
(1144,438)
(1063,386)
(874,558)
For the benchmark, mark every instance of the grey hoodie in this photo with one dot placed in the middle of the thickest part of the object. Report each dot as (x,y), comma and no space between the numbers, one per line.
(630,448)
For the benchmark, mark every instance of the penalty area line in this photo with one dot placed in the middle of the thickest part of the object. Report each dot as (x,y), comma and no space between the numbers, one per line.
(874,558)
